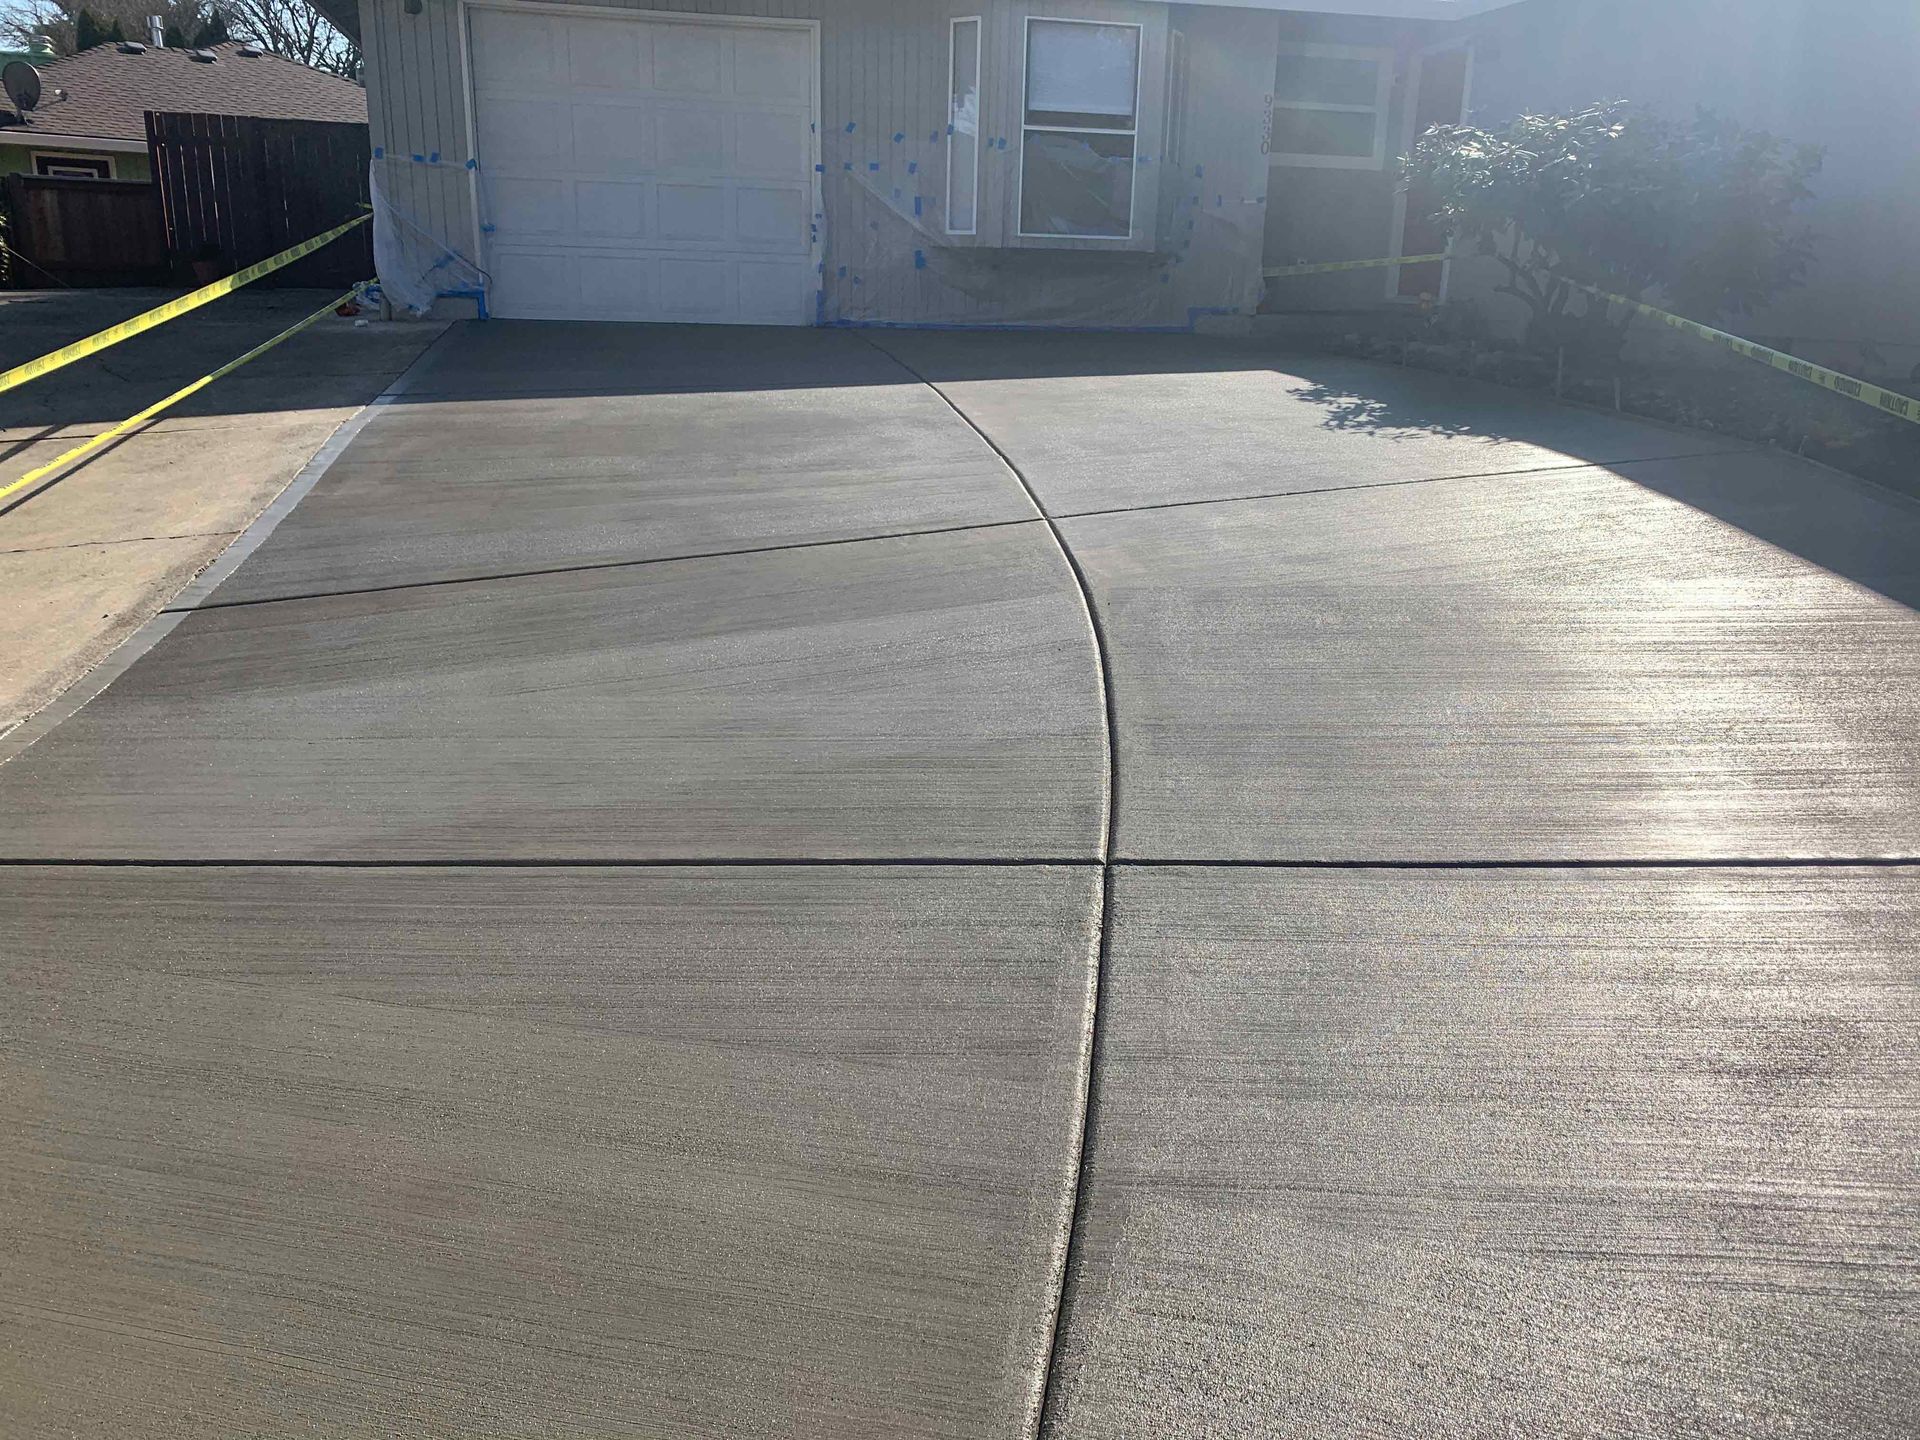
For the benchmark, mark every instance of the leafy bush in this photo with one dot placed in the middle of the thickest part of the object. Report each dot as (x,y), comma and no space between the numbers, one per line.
(1702,211)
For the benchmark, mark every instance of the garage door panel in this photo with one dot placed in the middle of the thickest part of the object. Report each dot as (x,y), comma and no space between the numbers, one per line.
(524,206)
(617,285)
(697,288)
(611,55)
(524,134)
(688,59)
(540,282)
(772,64)
(612,209)
(693,212)
(643,168)
(513,52)
(772,143)
(769,292)
(613,139)
(770,215)
(693,138)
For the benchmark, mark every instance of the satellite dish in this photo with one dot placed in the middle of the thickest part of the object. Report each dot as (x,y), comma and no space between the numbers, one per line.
(22,84)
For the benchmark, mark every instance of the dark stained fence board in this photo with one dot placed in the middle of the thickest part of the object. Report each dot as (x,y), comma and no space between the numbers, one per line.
(87,232)
(249,188)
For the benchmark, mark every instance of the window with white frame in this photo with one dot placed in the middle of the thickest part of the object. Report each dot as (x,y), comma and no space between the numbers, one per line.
(73,167)
(1079,129)
(1330,107)
(963,127)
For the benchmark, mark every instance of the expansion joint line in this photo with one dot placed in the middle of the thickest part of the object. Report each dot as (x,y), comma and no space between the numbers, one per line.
(1043,1399)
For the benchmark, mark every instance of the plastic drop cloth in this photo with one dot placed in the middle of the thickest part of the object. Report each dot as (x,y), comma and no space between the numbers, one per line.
(415,266)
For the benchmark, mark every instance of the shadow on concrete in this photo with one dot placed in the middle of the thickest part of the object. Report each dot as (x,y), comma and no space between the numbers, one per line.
(333,364)
(1852,528)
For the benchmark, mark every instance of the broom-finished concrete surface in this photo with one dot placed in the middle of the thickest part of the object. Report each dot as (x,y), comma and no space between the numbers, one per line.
(91,555)
(623,938)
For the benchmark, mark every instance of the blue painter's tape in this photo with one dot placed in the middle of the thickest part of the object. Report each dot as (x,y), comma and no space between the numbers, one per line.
(896,192)
(851,127)
(873,167)
(419,159)
(1199,172)
(918,206)
(847,166)
(434,158)
(473,164)
(949,131)
(857,280)
(1003,144)
(913,167)
(378,151)
(1218,201)
(919,259)
(819,169)
(843,272)
(898,136)
(934,138)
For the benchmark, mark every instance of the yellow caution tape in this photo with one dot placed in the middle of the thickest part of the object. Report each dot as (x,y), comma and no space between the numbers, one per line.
(1891,402)
(1332,265)
(173,309)
(106,437)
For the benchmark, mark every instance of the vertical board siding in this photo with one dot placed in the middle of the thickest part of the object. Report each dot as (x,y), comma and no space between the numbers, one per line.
(884,69)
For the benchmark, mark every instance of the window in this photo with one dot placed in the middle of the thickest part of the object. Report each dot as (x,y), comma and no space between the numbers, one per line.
(74,167)
(1079,129)
(963,128)
(1330,107)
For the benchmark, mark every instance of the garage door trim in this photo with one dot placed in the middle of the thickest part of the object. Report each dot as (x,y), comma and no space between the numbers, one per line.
(675,17)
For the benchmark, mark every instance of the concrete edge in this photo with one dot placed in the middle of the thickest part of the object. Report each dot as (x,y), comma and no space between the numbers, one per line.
(130,651)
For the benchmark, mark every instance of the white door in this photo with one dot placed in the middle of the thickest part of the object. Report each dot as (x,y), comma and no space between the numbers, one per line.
(644,167)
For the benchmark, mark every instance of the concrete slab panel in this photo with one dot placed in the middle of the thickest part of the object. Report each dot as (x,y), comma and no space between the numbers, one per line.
(1098,422)
(926,697)
(554,357)
(1567,665)
(509,1152)
(455,489)
(1516,1153)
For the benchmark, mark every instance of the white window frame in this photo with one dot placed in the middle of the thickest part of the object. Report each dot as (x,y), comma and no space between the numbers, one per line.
(980,91)
(55,157)
(1382,103)
(1139,75)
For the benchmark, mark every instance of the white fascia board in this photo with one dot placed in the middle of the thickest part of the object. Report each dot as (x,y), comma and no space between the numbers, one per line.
(35,138)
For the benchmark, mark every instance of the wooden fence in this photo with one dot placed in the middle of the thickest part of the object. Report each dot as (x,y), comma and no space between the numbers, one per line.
(235,189)
(85,232)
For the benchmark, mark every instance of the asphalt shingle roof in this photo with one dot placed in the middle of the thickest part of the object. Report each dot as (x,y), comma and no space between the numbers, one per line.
(108,92)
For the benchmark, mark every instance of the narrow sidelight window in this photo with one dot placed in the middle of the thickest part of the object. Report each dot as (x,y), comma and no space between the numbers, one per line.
(963,128)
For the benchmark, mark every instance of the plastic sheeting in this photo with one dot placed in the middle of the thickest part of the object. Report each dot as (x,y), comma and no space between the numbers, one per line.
(415,267)
(1194,200)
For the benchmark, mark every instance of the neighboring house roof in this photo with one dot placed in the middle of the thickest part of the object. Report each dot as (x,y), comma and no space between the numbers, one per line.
(104,93)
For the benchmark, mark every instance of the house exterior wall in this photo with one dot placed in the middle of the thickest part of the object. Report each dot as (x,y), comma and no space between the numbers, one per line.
(886,257)
(127,164)
(1843,76)
(1337,214)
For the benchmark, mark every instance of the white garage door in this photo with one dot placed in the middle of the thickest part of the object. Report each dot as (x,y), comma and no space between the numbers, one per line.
(644,168)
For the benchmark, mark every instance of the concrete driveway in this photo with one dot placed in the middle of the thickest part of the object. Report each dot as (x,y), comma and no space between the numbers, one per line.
(620,914)
(93,554)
